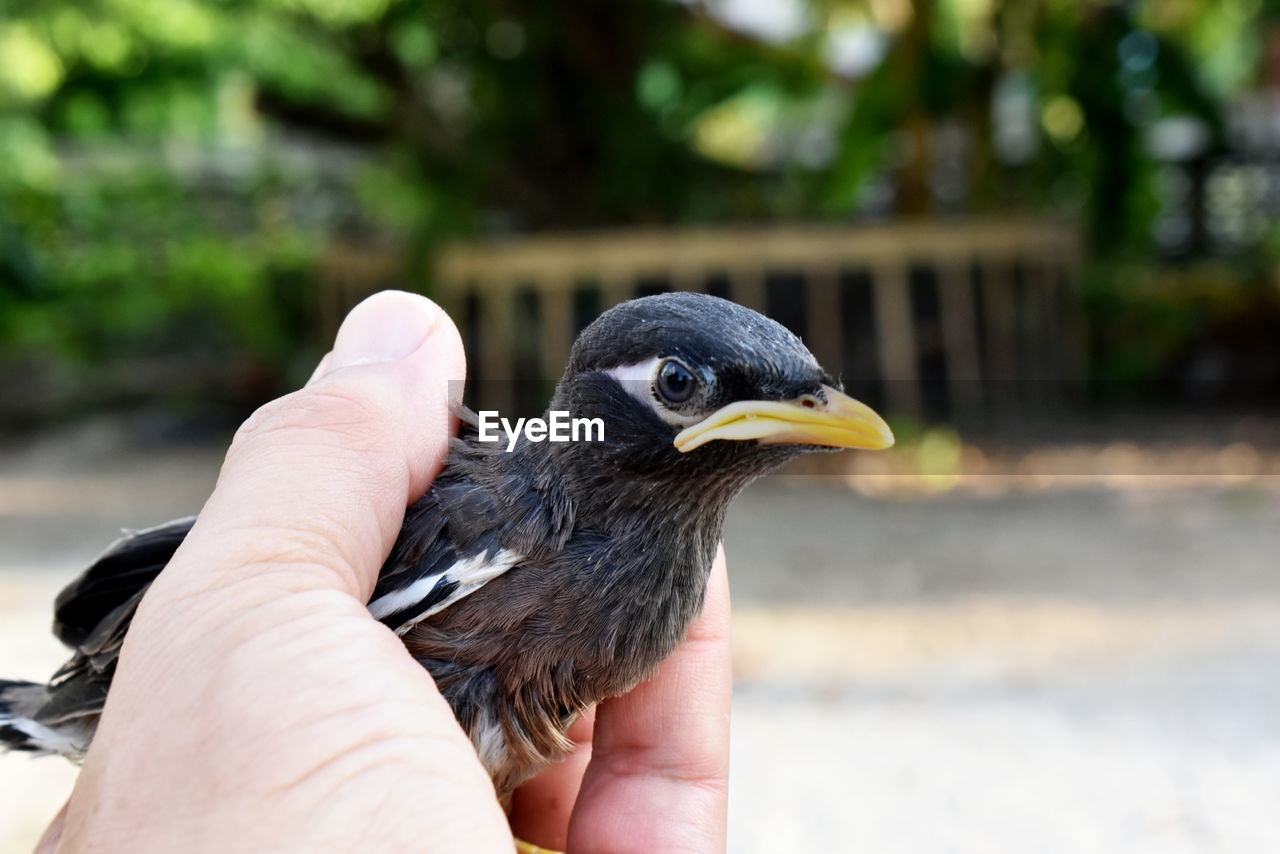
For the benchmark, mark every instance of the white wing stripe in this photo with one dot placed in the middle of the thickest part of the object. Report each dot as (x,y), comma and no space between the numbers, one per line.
(46,739)
(469,574)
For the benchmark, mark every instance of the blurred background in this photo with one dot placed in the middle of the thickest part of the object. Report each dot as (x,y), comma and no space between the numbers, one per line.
(1041,235)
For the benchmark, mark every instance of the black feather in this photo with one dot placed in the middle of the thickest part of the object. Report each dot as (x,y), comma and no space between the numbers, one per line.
(15,739)
(19,700)
(127,566)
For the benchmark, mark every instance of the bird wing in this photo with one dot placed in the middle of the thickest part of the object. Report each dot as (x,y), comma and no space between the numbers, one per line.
(435,582)
(93,613)
(113,581)
(481,518)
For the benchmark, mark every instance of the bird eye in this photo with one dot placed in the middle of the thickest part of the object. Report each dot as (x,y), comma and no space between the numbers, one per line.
(676,383)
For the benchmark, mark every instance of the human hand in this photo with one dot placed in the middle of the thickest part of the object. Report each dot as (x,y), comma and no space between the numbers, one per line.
(653,772)
(258,707)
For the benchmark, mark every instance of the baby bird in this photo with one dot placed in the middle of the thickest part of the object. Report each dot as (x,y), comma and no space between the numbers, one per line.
(534,582)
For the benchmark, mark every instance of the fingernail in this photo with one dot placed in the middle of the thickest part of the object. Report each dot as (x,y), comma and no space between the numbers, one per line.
(386,327)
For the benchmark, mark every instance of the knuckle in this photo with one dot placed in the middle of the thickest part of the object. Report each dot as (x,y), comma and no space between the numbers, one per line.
(336,415)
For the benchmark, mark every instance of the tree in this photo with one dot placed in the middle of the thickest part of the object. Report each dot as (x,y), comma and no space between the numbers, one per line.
(168,162)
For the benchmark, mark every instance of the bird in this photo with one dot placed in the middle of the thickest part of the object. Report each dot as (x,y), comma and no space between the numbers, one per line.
(535,579)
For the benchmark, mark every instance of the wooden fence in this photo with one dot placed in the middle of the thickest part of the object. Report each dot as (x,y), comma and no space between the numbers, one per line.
(940,319)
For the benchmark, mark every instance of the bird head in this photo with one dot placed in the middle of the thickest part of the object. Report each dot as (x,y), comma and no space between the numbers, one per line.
(703,390)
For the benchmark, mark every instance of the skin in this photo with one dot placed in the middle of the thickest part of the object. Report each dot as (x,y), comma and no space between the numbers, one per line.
(258,706)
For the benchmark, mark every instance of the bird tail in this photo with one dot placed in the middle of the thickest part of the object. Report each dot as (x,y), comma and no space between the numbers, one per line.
(19,730)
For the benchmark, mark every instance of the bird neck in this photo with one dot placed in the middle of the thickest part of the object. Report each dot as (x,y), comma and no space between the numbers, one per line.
(639,543)
(621,497)
(650,577)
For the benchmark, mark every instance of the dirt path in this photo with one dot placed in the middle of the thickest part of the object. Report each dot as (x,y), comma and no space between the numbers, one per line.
(1058,670)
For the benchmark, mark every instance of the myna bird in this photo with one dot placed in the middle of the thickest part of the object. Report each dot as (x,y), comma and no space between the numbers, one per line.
(534,582)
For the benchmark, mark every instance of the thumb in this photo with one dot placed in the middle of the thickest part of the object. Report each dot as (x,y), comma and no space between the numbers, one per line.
(255,697)
(314,487)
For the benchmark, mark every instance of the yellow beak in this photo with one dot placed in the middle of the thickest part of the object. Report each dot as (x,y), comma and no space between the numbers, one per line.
(841,422)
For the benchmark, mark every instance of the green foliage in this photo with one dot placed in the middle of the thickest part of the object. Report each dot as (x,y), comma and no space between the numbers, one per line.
(1152,327)
(172,168)
(133,267)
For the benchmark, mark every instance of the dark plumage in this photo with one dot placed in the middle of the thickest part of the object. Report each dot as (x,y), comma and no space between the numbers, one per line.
(534,583)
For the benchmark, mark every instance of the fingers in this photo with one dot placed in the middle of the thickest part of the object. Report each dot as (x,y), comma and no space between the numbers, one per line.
(658,777)
(334,465)
(540,809)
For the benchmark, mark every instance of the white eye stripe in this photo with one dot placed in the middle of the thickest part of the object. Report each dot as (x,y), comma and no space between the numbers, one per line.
(638,380)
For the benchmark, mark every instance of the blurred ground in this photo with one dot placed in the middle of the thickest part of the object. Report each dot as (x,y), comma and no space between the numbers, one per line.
(1018,664)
